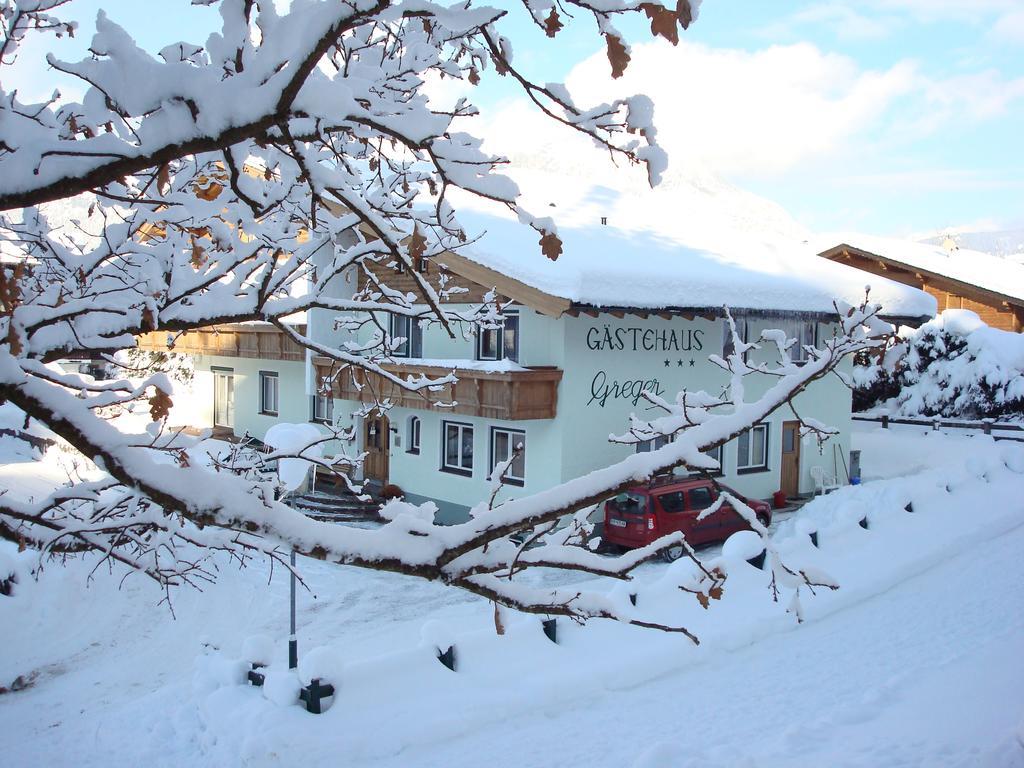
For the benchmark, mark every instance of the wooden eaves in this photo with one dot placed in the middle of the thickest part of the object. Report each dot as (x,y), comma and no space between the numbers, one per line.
(917,277)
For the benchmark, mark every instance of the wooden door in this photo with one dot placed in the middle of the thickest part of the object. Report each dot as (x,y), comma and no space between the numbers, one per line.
(790,479)
(376,443)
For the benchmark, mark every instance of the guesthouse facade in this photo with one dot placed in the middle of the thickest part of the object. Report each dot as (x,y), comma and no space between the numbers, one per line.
(621,312)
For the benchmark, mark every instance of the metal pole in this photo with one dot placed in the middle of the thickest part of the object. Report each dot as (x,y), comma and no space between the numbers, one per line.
(293,643)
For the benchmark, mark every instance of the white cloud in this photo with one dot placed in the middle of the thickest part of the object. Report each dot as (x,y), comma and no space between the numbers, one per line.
(764,113)
(1010,27)
(848,23)
(739,112)
(933,179)
(941,10)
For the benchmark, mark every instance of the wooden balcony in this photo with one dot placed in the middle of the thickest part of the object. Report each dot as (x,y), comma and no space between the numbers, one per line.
(237,340)
(531,393)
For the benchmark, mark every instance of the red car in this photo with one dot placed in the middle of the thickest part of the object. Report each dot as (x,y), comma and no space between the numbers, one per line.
(642,514)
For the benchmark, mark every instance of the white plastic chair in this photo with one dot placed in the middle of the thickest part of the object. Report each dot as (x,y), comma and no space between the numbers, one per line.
(823,483)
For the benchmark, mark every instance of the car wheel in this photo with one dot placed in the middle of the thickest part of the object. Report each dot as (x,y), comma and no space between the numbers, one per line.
(672,553)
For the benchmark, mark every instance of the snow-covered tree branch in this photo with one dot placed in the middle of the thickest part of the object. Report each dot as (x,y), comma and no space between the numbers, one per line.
(233,181)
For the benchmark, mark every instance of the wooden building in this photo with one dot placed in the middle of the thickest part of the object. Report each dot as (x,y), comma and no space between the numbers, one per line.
(958,278)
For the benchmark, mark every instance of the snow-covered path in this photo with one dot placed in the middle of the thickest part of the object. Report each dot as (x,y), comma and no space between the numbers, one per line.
(929,674)
(916,661)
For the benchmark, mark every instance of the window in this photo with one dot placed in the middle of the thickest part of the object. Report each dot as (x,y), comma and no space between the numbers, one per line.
(701,498)
(223,397)
(457,448)
(421,264)
(741,329)
(672,502)
(510,337)
(408,329)
(716,454)
(652,445)
(500,343)
(806,334)
(413,436)
(269,388)
(504,442)
(323,408)
(752,450)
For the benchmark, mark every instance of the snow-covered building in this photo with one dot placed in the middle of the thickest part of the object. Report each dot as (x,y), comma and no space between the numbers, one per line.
(627,307)
(958,278)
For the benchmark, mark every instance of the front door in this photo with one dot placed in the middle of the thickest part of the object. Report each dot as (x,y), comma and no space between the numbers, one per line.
(223,399)
(790,480)
(376,442)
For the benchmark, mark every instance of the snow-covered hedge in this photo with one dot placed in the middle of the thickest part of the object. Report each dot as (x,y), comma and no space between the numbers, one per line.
(954,366)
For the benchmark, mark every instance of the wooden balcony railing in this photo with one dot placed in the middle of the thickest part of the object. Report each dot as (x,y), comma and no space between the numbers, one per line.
(531,393)
(236,340)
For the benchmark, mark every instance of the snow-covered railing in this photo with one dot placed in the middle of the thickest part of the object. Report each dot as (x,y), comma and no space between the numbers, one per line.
(986,426)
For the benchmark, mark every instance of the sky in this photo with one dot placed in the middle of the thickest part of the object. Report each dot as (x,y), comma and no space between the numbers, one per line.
(893,117)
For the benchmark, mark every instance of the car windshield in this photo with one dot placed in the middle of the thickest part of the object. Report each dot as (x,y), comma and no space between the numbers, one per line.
(628,504)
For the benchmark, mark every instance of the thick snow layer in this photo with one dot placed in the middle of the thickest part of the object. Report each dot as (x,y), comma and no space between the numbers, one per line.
(969,371)
(294,438)
(993,273)
(913,661)
(675,246)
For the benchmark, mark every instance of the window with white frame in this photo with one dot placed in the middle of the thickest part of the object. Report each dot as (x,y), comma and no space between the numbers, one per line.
(716,454)
(504,443)
(652,445)
(501,342)
(413,435)
(752,449)
(457,447)
(728,347)
(408,329)
(323,408)
(806,334)
(269,391)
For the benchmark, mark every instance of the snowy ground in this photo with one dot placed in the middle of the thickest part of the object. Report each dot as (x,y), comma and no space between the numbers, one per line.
(916,660)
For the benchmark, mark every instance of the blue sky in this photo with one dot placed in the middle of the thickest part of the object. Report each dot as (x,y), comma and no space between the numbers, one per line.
(886,116)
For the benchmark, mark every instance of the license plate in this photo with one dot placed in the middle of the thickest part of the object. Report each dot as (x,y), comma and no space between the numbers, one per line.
(618,523)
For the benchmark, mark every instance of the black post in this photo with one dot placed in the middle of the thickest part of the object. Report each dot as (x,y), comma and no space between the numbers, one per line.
(293,643)
(885,421)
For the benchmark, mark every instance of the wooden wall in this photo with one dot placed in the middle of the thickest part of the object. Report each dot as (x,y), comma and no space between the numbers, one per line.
(948,293)
(406,283)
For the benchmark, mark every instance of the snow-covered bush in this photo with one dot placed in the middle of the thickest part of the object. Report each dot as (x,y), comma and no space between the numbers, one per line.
(954,366)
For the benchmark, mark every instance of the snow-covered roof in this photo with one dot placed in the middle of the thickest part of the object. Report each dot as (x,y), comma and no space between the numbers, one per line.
(683,245)
(983,270)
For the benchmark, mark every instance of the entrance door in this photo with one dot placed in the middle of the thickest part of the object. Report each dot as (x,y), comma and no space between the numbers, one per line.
(790,480)
(223,398)
(376,442)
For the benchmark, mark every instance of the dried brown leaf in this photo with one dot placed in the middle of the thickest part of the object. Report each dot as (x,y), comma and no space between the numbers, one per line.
(13,340)
(160,405)
(474,76)
(163,178)
(198,255)
(618,55)
(702,599)
(684,12)
(417,244)
(551,246)
(663,22)
(552,23)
